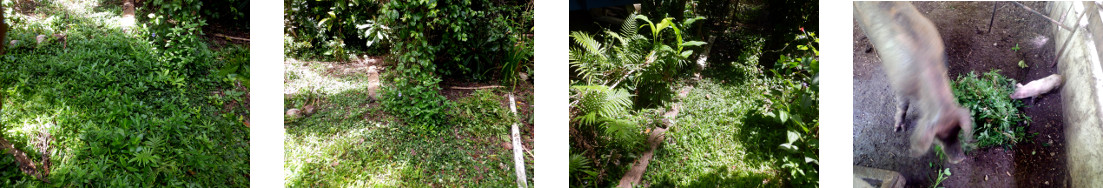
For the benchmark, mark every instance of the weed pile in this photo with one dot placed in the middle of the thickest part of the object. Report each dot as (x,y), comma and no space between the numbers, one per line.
(996,117)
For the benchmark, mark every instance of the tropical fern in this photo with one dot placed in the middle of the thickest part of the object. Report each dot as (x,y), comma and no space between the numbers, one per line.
(610,68)
(602,100)
(580,168)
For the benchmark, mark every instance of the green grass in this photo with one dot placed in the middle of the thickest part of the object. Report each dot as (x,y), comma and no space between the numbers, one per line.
(117,117)
(739,126)
(351,142)
(714,144)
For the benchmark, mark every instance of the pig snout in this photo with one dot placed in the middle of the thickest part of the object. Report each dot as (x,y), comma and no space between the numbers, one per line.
(944,131)
(952,143)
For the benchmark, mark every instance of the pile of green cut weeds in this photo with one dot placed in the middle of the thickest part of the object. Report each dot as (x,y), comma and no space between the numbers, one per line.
(996,117)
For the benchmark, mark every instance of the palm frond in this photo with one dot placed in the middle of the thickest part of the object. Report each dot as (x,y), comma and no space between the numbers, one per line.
(624,131)
(602,100)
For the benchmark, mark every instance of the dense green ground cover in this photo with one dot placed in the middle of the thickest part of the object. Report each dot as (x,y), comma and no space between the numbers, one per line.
(124,108)
(721,139)
(419,132)
(350,141)
(746,117)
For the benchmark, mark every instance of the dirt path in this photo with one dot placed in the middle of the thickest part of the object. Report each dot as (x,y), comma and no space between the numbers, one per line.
(969,47)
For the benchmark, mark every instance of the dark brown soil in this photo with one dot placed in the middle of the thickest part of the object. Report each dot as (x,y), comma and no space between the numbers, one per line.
(1039,162)
(219,35)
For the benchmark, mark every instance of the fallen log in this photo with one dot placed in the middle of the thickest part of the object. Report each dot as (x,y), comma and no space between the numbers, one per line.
(476,88)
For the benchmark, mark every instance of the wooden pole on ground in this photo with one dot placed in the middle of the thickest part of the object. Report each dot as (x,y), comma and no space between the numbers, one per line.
(518,155)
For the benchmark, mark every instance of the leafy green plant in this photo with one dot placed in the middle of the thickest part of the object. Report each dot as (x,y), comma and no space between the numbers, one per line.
(795,104)
(234,13)
(996,116)
(333,29)
(626,62)
(126,109)
(628,56)
(580,170)
(943,173)
(1016,48)
(1022,64)
(604,107)
(477,33)
(414,92)
(235,65)
(519,55)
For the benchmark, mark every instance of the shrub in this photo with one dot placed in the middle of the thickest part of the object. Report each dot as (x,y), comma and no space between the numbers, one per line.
(415,91)
(234,13)
(333,29)
(475,34)
(794,103)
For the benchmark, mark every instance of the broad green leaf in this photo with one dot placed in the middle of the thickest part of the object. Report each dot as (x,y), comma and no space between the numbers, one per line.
(693,43)
(783,116)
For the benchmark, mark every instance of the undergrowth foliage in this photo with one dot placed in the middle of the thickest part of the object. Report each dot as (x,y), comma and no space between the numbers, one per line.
(995,114)
(425,40)
(741,121)
(794,103)
(602,103)
(126,108)
(432,38)
(415,92)
(332,30)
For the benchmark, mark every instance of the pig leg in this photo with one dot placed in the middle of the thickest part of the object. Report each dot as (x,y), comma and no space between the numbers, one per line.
(901,112)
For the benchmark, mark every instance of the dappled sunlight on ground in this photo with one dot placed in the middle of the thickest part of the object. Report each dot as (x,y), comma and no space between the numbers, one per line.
(79,6)
(308,77)
(45,20)
(318,149)
(352,142)
(118,116)
(713,141)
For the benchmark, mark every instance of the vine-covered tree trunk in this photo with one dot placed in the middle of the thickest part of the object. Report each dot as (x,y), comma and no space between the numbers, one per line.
(3,33)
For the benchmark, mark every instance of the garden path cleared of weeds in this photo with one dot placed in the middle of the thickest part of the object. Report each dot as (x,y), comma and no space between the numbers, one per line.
(117,116)
(350,141)
(717,139)
(714,143)
(1038,162)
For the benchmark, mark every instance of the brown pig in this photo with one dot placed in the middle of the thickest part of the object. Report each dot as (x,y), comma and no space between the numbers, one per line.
(914,60)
